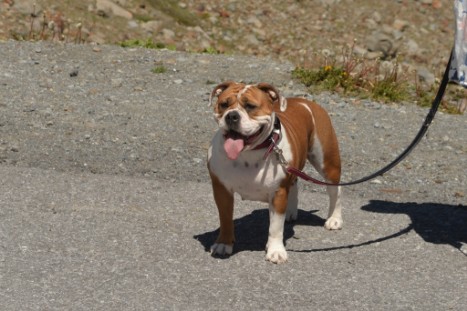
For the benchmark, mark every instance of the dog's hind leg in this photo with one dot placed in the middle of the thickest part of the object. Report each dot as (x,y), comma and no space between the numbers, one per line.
(330,170)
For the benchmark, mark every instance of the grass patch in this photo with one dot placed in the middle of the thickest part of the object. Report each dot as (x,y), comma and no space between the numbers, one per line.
(355,77)
(171,8)
(159,69)
(370,79)
(147,44)
(211,50)
(142,18)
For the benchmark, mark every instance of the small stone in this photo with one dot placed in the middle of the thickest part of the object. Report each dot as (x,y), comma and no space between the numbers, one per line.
(132,24)
(178,81)
(106,8)
(426,76)
(400,25)
(168,34)
(152,26)
(117,82)
(376,181)
(255,21)
(377,17)
(459,194)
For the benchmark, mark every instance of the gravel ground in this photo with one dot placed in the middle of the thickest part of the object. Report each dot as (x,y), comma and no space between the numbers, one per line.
(102,110)
(105,200)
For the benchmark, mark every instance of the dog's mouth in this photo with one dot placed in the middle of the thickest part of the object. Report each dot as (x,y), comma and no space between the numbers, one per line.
(235,142)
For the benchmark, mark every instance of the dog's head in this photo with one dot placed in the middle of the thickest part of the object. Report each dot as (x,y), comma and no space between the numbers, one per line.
(245,114)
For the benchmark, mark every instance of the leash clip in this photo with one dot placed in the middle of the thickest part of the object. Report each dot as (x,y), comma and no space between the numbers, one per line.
(280,156)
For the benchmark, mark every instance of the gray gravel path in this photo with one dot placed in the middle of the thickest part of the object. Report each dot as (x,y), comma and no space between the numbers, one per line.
(105,202)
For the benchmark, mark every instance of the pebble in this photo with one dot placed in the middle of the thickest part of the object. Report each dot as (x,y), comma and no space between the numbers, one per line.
(117,82)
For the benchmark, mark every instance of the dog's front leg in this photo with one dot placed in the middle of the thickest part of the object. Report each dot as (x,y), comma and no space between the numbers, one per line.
(225,202)
(275,249)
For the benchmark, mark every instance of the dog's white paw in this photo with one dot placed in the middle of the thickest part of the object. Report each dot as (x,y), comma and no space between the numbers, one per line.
(221,249)
(276,253)
(333,223)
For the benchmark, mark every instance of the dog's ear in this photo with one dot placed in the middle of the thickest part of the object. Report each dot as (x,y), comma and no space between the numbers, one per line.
(274,94)
(219,89)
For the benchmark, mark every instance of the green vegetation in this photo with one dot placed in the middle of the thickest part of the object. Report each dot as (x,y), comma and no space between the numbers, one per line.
(355,77)
(173,9)
(211,50)
(159,69)
(368,79)
(148,44)
(337,79)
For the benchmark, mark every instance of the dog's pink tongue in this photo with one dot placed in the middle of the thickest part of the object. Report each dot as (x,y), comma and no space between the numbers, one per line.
(233,147)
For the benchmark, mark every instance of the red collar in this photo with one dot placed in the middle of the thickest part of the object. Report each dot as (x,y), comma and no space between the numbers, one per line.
(272,139)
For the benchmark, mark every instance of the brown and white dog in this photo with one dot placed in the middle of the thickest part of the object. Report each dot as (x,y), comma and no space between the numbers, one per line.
(247,116)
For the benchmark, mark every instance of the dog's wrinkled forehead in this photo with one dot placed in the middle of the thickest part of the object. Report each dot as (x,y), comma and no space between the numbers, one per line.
(242,93)
(231,90)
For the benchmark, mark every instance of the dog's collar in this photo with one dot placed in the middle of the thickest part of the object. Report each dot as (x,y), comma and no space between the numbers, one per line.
(272,139)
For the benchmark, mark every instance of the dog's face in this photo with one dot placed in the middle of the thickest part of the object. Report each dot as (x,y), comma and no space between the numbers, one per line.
(245,114)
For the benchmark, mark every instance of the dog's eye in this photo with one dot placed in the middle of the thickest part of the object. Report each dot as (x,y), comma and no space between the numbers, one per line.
(224,105)
(249,107)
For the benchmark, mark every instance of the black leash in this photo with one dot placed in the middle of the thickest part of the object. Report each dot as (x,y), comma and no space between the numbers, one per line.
(428,119)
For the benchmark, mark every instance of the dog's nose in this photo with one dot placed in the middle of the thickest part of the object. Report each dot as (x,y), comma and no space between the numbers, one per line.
(232,118)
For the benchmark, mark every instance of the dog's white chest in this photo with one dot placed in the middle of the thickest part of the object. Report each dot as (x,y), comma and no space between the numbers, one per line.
(252,177)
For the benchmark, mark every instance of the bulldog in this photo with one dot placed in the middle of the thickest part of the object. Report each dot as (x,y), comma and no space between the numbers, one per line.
(260,134)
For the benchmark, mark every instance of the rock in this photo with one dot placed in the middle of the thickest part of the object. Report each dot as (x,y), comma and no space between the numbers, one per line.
(107,8)
(152,26)
(132,24)
(437,4)
(117,82)
(359,51)
(251,38)
(412,48)
(376,17)
(380,42)
(400,25)
(255,21)
(168,34)
(27,7)
(425,76)
(120,2)
(371,24)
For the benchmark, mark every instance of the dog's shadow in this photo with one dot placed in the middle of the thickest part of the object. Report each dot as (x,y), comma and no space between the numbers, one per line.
(435,223)
(251,231)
